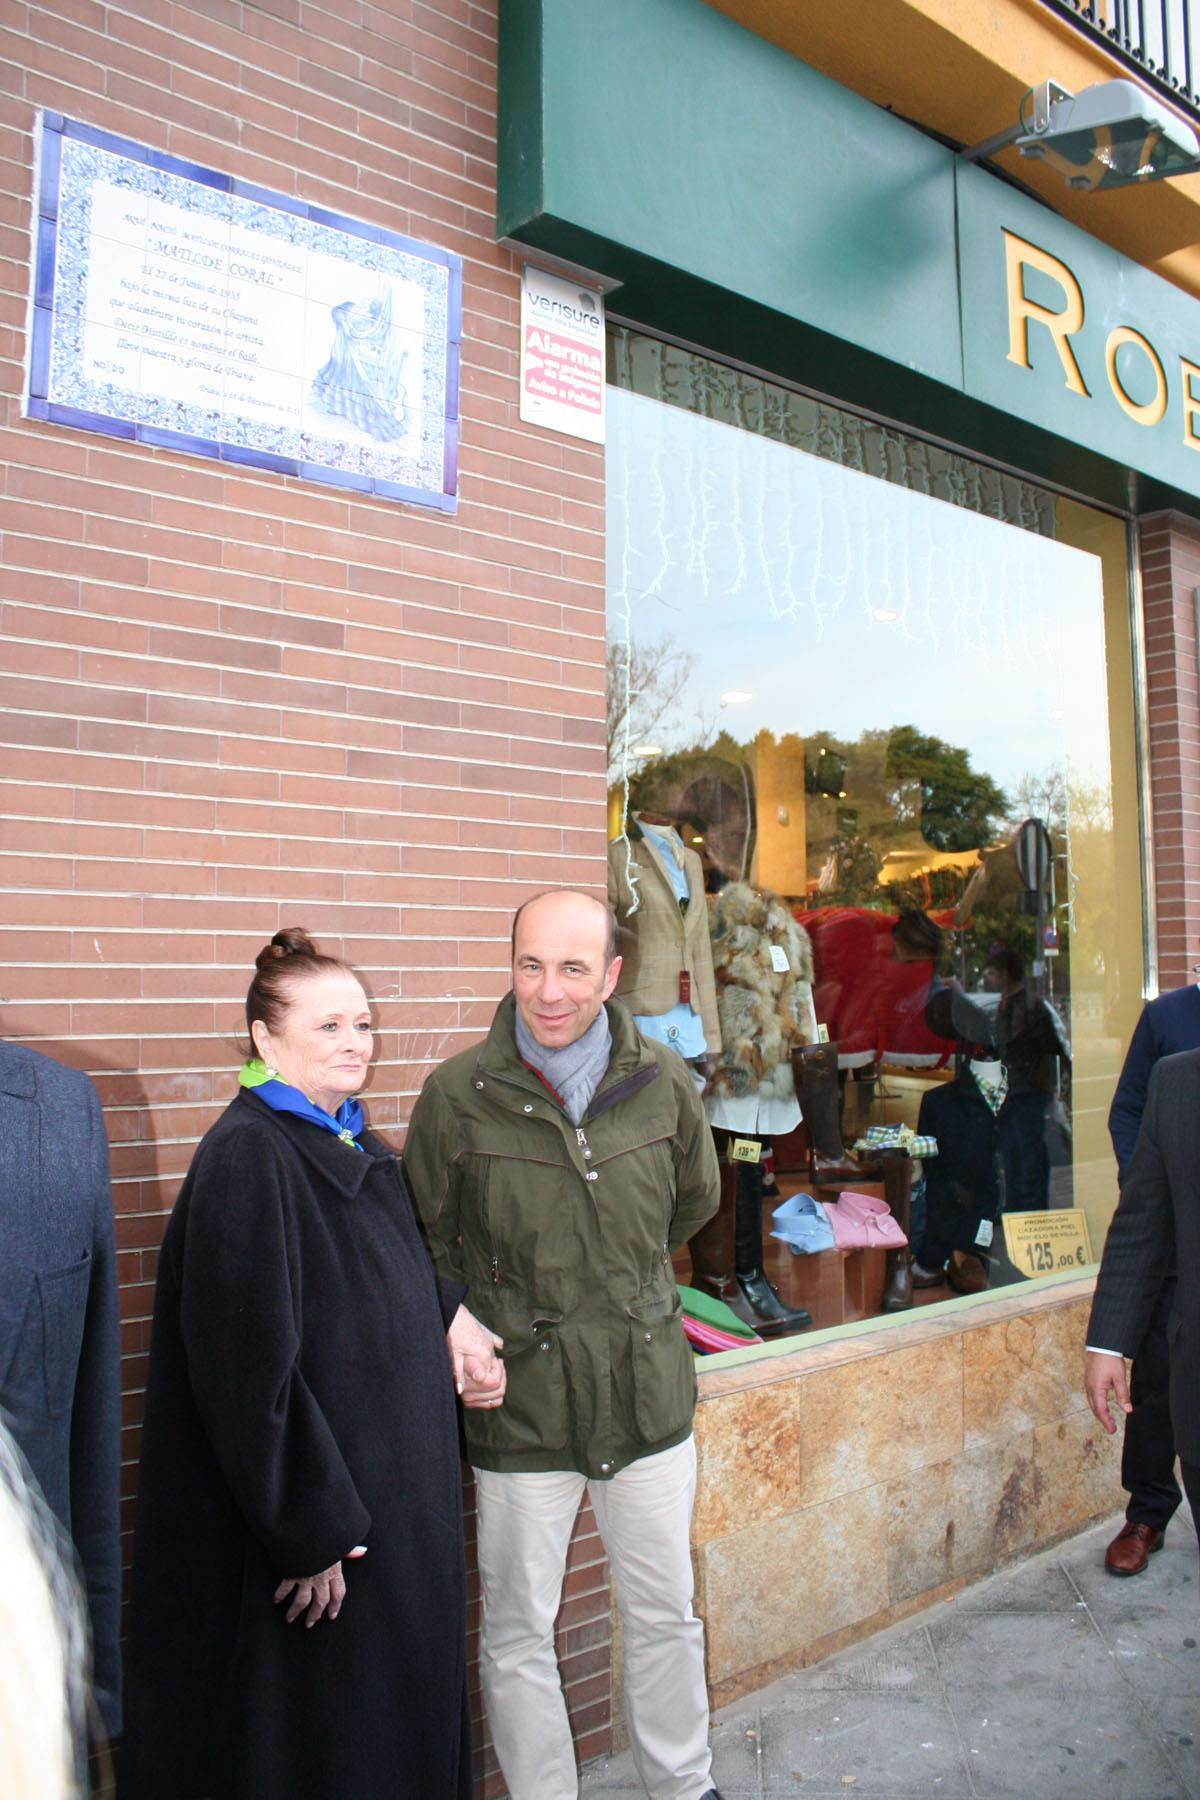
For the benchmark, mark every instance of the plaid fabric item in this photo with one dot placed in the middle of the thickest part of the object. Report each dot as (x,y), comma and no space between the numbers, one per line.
(994,1092)
(895,1137)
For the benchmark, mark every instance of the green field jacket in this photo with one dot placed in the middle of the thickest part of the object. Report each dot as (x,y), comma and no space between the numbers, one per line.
(563,1236)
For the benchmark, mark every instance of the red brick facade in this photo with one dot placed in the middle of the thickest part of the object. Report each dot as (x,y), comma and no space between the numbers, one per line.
(233,700)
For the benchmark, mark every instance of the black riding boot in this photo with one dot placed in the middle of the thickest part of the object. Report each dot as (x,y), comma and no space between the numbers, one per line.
(763,1307)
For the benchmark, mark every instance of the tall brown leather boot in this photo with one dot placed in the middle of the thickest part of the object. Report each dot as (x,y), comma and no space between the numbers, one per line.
(815,1073)
(897,1191)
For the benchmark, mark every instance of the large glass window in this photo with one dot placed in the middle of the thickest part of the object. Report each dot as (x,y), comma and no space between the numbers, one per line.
(869,692)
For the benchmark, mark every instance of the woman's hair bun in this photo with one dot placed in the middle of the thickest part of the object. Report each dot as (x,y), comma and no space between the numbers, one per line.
(293,940)
(286,963)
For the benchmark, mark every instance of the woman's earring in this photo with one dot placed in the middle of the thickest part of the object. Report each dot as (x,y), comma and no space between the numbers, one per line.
(270,1072)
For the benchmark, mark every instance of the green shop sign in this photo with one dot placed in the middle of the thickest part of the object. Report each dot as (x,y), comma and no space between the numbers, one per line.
(1061,331)
(747,203)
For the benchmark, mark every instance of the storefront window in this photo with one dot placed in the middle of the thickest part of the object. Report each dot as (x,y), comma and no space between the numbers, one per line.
(867,692)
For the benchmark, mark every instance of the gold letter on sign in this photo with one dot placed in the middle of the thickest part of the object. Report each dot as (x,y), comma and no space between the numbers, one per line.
(1154,409)
(1191,403)
(1060,325)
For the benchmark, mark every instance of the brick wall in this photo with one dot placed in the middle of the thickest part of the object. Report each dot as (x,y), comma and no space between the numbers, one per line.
(1170,563)
(232,700)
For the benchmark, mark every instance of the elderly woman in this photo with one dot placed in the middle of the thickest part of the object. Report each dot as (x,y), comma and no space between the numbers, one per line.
(296,1627)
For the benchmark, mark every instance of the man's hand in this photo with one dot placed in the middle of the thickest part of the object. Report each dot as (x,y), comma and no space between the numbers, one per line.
(479,1374)
(1104,1376)
(316,1595)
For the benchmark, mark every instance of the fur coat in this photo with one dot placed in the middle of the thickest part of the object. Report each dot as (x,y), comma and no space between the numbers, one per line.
(765,1011)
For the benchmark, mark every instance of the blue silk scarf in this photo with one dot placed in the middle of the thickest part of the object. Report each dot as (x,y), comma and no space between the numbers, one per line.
(345,1123)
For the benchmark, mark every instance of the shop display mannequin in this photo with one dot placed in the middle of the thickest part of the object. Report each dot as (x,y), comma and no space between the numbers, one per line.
(762,961)
(656,889)
(991,1160)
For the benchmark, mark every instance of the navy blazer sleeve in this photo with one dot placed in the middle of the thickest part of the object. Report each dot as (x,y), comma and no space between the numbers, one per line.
(1139,1250)
(1129,1100)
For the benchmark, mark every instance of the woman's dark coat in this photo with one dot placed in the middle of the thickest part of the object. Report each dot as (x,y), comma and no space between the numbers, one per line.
(299,1402)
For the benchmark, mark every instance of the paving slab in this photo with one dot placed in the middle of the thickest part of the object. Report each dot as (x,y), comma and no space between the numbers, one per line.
(1022,1744)
(1052,1677)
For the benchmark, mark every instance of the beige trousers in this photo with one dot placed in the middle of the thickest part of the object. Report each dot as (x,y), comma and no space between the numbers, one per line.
(644,1515)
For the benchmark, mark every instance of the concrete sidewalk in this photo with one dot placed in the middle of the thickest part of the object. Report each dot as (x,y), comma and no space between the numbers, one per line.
(1053,1678)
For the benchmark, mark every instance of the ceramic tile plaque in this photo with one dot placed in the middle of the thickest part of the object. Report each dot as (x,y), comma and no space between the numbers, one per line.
(176,306)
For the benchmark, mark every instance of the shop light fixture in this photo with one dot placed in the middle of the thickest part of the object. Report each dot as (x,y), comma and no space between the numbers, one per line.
(884,615)
(735,697)
(1111,135)
(646,750)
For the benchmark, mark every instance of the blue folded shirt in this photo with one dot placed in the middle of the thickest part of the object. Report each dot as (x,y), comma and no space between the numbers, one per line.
(803,1225)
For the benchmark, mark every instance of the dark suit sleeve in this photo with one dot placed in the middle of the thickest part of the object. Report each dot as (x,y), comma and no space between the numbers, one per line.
(96,1431)
(240,1294)
(1139,1250)
(1125,1113)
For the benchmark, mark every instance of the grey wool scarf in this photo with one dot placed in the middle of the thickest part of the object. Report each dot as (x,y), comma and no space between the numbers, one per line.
(575,1070)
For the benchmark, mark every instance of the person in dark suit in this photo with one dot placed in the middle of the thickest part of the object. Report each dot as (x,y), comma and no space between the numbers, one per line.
(59,1335)
(1167,1025)
(1155,1231)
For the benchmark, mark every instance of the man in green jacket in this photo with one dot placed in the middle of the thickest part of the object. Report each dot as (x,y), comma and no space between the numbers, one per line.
(556,1167)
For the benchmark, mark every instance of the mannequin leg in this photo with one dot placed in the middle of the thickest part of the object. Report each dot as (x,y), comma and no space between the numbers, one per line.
(760,1297)
(711,1249)
(897,1189)
(815,1073)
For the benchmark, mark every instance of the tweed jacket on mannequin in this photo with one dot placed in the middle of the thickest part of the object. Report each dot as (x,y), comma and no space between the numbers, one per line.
(659,941)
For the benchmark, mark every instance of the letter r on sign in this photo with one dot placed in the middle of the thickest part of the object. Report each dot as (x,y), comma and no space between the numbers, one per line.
(1061,324)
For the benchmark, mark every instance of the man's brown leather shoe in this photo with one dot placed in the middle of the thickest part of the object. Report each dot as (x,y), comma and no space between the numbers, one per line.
(1132,1548)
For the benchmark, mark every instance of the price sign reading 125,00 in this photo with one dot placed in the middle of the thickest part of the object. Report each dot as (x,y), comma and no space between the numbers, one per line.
(1044,1243)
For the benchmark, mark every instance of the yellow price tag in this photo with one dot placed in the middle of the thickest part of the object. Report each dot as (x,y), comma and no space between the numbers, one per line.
(746,1150)
(1042,1243)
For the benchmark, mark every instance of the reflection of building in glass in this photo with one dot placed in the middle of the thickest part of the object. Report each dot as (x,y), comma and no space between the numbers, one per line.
(362,381)
(847,678)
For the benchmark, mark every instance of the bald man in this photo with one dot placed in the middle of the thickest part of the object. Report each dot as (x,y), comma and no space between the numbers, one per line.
(556,1166)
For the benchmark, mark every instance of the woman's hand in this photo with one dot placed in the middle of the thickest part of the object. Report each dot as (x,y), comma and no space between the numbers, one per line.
(479,1374)
(316,1595)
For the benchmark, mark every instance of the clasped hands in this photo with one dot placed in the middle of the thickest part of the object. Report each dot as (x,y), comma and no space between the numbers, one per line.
(479,1374)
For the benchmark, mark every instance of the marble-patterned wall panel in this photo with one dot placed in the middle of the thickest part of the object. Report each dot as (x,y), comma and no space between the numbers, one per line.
(782,1584)
(1023,1372)
(1079,1473)
(748,1459)
(951,1520)
(876,1419)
